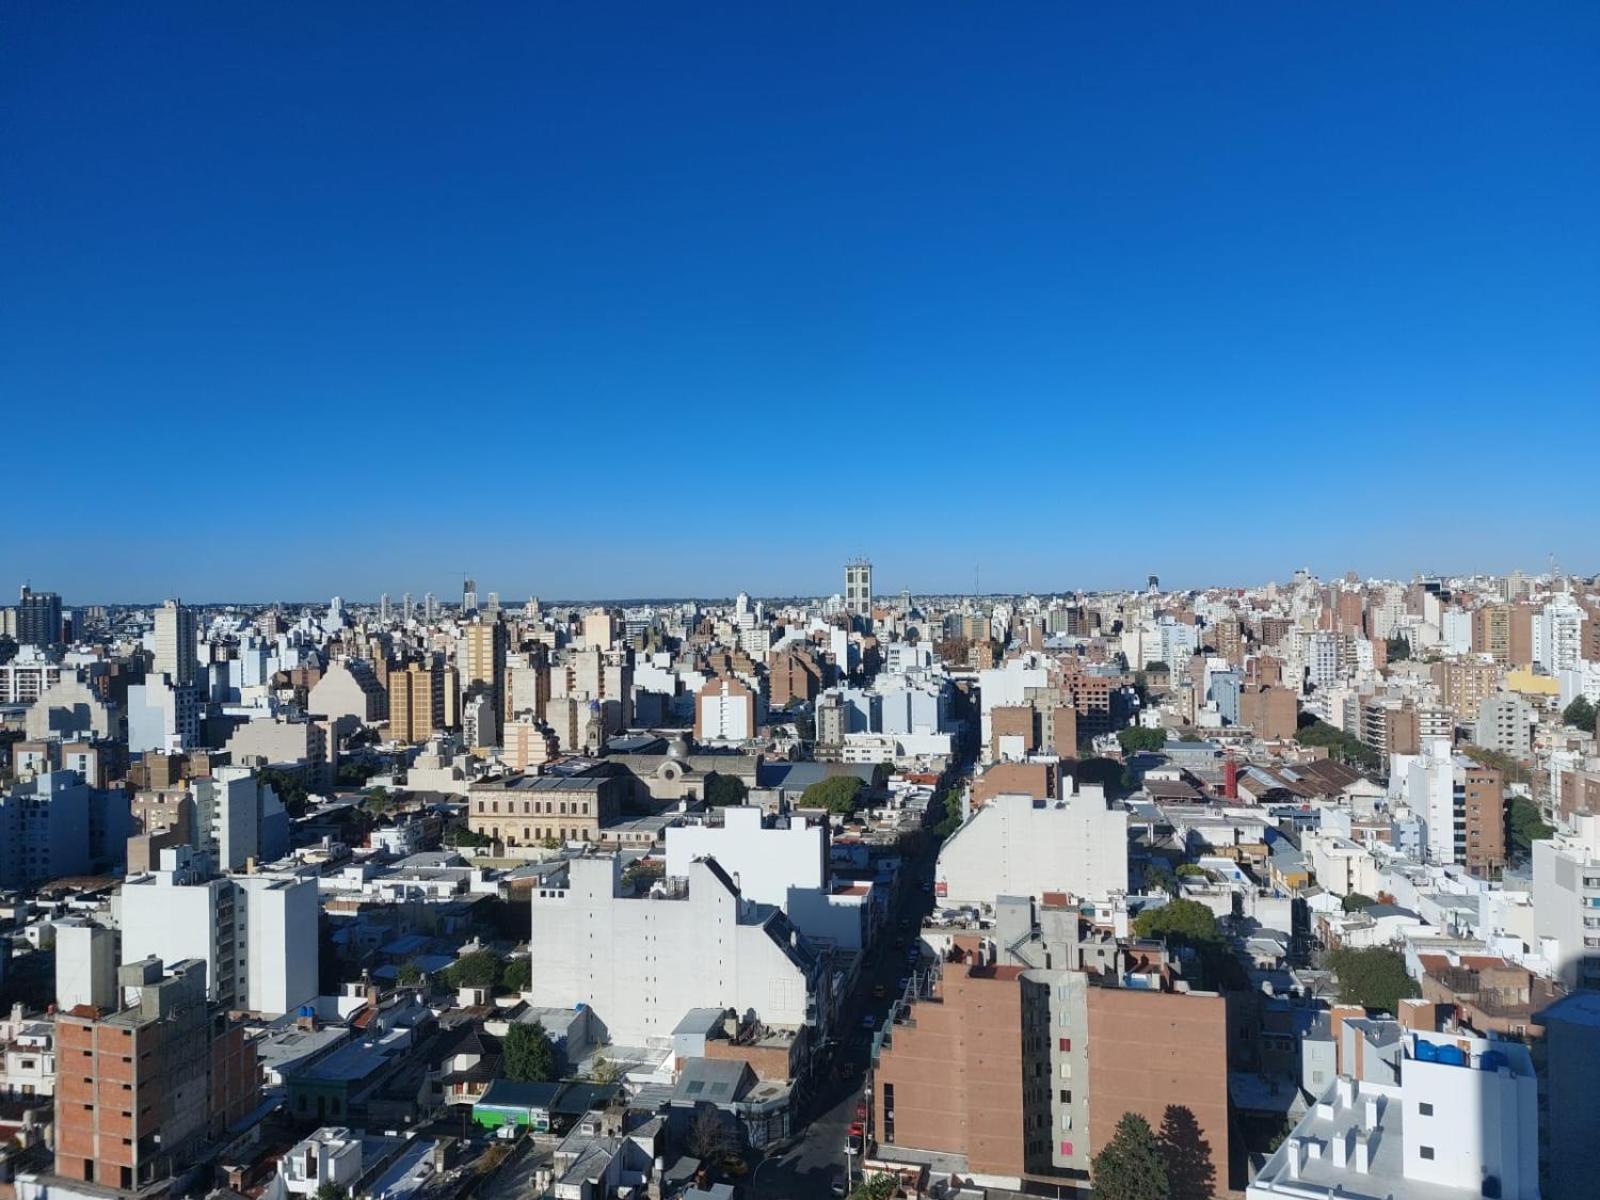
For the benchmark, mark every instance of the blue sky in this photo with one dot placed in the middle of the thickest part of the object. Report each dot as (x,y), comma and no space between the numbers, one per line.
(609,299)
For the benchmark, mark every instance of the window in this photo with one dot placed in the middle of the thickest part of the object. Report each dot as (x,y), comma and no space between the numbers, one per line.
(1425,1109)
(1427,1153)
(1064,1043)
(1066,1149)
(1066,1096)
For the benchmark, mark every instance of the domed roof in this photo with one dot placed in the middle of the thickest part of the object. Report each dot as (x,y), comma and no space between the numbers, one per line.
(678,747)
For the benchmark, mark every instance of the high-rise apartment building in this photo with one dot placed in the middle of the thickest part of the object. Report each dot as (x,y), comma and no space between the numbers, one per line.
(417,708)
(177,655)
(483,662)
(256,933)
(858,587)
(1483,798)
(1024,1073)
(38,619)
(1504,631)
(140,1090)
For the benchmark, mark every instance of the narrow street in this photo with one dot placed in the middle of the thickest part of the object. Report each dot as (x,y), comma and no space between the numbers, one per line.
(809,1166)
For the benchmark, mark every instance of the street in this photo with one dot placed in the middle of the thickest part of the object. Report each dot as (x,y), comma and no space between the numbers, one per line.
(808,1166)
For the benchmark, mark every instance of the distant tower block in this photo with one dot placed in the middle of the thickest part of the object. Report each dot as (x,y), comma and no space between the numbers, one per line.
(858,587)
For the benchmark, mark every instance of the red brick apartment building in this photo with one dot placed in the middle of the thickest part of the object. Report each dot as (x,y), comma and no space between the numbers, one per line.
(1025,1073)
(138,1090)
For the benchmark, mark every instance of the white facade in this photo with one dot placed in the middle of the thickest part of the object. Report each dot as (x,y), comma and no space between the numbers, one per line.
(640,963)
(161,716)
(44,829)
(764,864)
(86,964)
(725,713)
(329,1157)
(257,934)
(787,867)
(1566,901)
(1461,1124)
(1018,846)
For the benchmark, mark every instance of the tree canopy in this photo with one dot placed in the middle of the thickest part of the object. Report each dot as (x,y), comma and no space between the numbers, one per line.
(1131,1166)
(1184,922)
(479,969)
(1579,714)
(1526,825)
(1398,648)
(723,791)
(1356,902)
(1136,738)
(839,794)
(528,1055)
(517,975)
(1345,747)
(1375,977)
(1191,1175)
(951,820)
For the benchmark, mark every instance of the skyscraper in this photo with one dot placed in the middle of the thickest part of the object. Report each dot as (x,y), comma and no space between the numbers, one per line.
(858,587)
(406,608)
(176,654)
(484,660)
(469,595)
(383,609)
(38,619)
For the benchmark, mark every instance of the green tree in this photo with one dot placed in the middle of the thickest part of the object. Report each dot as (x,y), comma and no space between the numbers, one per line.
(461,836)
(1192,871)
(289,788)
(1399,649)
(517,975)
(603,1070)
(480,969)
(876,1187)
(1136,738)
(1375,977)
(528,1055)
(1159,877)
(1185,922)
(725,790)
(331,1191)
(1526,824)
(1356,902)
(1340,745)
(839,794)
(409,974)
(951,820)
(1579,714)
(1131,1166)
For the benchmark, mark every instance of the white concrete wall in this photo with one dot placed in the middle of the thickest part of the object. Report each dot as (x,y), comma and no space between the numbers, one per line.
(765,863)
(1015,846)
(640,964)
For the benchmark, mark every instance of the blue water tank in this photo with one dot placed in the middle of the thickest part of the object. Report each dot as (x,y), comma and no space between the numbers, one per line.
(1452,1056)
(1426,1051)
(1492,1060)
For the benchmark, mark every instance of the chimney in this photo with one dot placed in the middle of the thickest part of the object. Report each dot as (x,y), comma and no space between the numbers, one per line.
(1341,1147)
(1292,1157)
(1363,1152)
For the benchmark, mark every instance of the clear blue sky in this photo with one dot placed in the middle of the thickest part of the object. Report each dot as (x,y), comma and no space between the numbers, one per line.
(604,299)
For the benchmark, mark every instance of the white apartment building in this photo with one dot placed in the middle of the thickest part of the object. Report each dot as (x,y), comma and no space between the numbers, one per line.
(784,866)
(330,1157)
(1019,846)
(1566,901)
(257,934)
(641,963)
(1462,1124)
(238,819)
(44,829)
(162,716)
(1505,724)
(1558,635)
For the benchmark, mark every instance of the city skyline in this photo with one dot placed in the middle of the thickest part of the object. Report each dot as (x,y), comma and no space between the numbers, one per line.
(450,595)
(1033,281)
